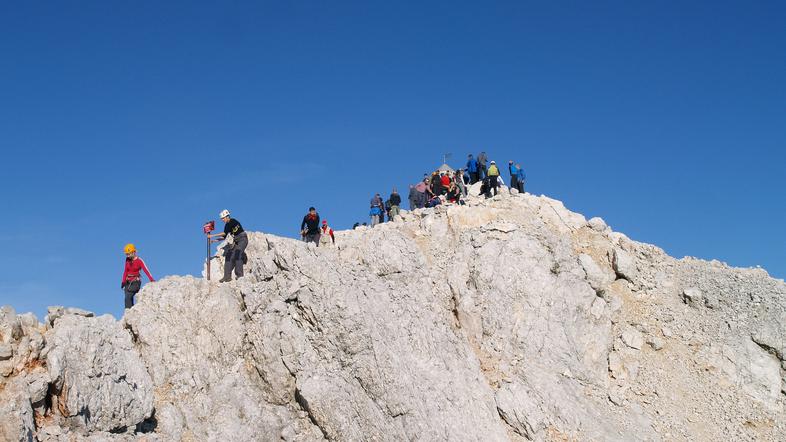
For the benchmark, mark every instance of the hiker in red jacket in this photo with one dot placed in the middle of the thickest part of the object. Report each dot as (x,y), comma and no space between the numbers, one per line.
(132,280)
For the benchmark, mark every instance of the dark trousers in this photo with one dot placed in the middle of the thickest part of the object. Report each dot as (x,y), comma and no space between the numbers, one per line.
(474,177)
(420,200)
(234,257)
(514,183)
(312,237)
(482,171)
(131,289)
(493,184)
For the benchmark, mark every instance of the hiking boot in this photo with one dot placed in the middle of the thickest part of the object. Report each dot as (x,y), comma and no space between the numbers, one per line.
(224,280)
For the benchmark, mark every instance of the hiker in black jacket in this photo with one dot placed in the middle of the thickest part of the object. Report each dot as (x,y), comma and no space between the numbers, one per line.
(395,205)
(309,228)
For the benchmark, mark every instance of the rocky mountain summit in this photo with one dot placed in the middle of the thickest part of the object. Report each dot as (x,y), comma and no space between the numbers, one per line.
(511,318)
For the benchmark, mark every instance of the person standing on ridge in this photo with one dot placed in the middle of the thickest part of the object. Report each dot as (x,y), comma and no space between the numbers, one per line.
(132,280)
(413,197)
(521,177)
(436,184)
(514,180)
(395,204)
(482,160)
(376,201)
(234,253)
(309,228)
(377,209)
(472,169)
(326,236)
(421,195)
(493,176)
(375,213)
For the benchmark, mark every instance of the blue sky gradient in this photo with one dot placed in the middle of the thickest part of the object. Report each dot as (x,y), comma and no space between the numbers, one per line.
(137,122)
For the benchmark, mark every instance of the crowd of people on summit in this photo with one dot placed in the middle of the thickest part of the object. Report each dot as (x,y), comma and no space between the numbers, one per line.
(443,186)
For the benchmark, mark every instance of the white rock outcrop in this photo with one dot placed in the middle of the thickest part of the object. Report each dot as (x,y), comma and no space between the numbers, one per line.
(506,319)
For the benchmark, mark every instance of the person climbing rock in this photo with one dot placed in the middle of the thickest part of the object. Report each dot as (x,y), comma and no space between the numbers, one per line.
(493,175)
(326,237)
(132,281)
(309,228)
(395,204)
(234,252)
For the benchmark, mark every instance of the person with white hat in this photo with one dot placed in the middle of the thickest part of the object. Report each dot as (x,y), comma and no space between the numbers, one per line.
(234,255)
(493,176)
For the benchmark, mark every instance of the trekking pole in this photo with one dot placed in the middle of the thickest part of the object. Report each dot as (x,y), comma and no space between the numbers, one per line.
(206,229)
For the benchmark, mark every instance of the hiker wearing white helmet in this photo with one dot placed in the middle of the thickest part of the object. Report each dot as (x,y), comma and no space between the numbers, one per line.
(234,252)
(493,177)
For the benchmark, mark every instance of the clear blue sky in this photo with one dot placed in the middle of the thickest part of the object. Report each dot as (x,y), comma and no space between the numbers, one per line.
(137,121)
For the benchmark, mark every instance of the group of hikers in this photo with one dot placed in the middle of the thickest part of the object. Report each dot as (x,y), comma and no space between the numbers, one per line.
(443,186)
(234,253)
(447,186)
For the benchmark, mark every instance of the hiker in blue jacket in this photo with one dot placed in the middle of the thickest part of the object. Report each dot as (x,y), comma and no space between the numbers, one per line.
(472,169)
(377,210)
(514,180)
(521,177)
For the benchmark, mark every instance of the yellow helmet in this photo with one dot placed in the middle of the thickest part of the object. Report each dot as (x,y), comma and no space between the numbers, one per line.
(129,248)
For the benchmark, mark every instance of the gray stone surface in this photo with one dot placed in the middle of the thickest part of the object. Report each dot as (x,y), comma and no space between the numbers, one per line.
(625,265)
(100,381)
(505,319)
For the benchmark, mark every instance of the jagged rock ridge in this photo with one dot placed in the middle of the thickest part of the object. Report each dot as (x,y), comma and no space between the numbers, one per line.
(507,319)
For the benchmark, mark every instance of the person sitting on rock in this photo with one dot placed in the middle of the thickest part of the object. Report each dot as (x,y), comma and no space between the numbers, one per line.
(454,194)
(443,176)
(309,228)
(132,281)
(326,236)
(234,255)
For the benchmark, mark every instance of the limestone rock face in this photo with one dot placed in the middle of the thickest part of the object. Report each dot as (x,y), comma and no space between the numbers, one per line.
(99,381)
(510,318)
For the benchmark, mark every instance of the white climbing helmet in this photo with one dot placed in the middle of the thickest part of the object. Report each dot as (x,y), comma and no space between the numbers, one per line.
(224,213)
